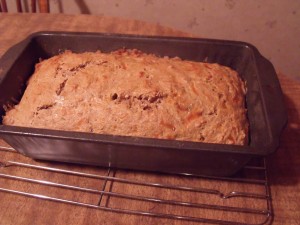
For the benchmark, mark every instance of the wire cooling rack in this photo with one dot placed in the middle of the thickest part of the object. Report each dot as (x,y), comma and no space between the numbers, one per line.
(242,199)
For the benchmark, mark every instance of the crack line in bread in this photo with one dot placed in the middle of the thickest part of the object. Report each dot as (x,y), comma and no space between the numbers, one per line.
(47,106)
(146,101)
(80,66)
(61,87)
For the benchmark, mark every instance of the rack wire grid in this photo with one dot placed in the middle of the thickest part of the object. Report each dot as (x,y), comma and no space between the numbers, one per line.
(182,197)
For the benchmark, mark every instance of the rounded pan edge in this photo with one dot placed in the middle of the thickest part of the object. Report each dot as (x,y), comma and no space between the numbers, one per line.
(273,101)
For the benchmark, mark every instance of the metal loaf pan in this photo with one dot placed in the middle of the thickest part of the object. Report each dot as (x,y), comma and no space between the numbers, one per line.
(266,112)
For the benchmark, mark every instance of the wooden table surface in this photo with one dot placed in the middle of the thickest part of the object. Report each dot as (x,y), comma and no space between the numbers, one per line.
(283,167)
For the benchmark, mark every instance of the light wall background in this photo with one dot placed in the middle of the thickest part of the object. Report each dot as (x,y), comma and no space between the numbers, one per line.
(273,26)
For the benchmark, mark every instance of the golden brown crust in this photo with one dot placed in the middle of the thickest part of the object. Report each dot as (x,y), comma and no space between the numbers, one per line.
(131,93)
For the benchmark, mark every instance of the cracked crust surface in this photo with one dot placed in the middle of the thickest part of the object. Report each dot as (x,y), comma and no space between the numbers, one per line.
(127,92)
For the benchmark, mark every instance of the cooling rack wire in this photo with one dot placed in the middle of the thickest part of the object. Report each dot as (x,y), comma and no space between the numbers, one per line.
(182,197)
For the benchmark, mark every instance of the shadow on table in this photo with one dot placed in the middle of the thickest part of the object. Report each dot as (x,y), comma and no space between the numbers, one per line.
(284,165)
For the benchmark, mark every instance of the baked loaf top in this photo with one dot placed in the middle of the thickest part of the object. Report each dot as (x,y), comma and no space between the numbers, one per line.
(131,93)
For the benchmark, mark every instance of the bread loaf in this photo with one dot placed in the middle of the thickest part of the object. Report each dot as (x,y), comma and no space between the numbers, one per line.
(131,93)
